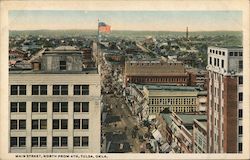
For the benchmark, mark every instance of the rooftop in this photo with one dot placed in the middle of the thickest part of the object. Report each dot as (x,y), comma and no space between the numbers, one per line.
(189,118)
(171,87)
(30,71)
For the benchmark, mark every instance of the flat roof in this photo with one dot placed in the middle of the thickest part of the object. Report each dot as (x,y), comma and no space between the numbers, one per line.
(189,118)
(30,71)
(172,88)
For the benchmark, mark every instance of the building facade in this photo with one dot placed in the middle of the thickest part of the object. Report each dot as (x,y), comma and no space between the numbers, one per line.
(160,72)
(55,107)
(176,98)
(225,96)
(182,130)
(200,136)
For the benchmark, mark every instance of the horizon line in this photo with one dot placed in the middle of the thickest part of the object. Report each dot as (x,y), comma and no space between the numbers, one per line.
(127,30)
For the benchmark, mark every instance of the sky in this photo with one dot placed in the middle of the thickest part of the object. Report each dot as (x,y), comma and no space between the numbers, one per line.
(126,20)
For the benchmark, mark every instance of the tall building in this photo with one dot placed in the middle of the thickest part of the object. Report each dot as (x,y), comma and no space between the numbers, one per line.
(55,107)
(225,96)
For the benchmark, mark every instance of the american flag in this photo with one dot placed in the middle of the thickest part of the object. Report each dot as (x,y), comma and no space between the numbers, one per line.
(103,27)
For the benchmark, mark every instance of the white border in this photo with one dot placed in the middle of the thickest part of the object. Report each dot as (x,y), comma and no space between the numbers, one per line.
(121,5)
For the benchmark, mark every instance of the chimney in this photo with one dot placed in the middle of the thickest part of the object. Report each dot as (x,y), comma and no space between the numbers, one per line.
(36,66)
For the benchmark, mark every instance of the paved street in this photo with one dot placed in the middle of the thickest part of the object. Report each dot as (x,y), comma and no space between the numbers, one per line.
(127,120)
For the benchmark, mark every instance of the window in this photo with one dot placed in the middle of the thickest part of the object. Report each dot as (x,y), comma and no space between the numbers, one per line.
(214,61)
(22,106)
(240,53)
(240,130)
(222,63)
(34,141)
(14,89)
(43,124)
(77,107)
(39,89)
(35,91)
(85,141)
(13,141)
(240,80)
(59,141)
(39,106)
(22,141)
(43,141)
(240,114)
(60,89)
(18,106)
(55,141)
(43,89)
(240,96)
(60,124)
(77,141)
(34,124)
(60,106)
(18,90)
(13,107)
(85,124)
(85,106)
(240,64)
(218,62)
(22,124)
(64,107)
(55,123)
(231,53)
(35,107)
(81,106)
(81,89)
(13,124)
(76,123)
(210,60)
(240,147)
(43,106)
(64,124)
(223,53)
(64,141)
(63,65)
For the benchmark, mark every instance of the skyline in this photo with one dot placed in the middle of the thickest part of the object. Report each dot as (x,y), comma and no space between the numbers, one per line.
(126,20)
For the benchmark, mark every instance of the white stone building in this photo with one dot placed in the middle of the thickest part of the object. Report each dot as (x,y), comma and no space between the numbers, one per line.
(55,107)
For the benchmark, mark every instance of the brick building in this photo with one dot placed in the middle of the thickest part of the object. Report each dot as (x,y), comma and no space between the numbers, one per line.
(160,72)
(225,96)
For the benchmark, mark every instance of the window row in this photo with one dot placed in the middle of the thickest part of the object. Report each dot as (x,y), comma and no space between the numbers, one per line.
(42,90)
(217,52)
(42,106)
(169,79)
(172,101)
(235,53)
(42,124)
(216,62)
(42,141)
